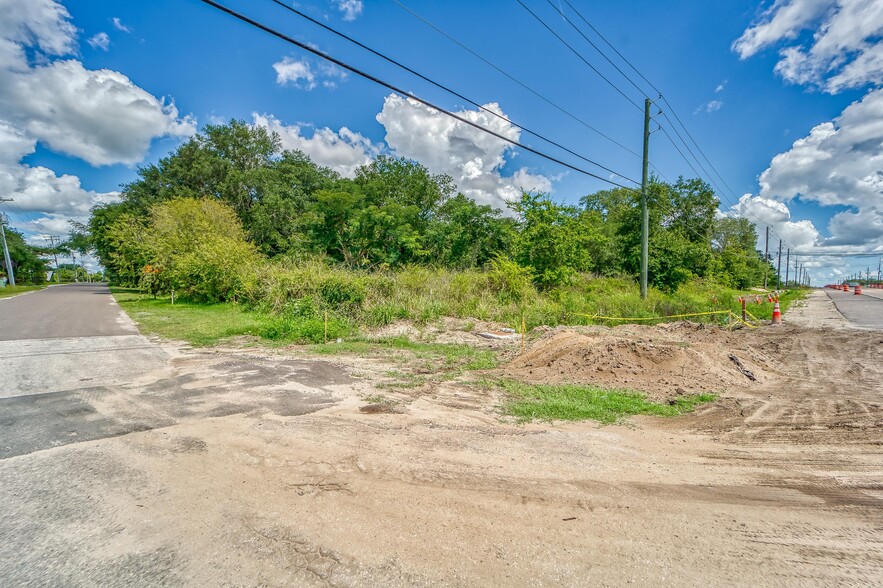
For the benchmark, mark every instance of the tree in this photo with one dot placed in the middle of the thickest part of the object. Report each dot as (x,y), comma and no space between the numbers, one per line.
(199,248)
(551,241)
(466,234)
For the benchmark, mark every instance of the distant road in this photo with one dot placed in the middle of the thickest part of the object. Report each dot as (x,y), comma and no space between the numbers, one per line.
(863,311)
(73,310)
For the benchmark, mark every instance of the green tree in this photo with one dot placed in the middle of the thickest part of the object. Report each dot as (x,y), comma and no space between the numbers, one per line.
(199,248)
(552,241)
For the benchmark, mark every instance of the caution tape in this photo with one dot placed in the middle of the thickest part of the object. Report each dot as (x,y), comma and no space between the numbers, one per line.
(651,318)
(729,313)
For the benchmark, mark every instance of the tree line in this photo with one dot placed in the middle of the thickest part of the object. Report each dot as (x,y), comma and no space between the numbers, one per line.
(231,195)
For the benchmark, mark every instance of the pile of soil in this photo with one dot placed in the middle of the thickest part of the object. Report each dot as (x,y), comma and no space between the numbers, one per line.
(662,361)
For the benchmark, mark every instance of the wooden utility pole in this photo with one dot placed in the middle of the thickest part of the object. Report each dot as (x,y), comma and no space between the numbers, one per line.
(787,266)
(645,214)
(766,257)
(779,268)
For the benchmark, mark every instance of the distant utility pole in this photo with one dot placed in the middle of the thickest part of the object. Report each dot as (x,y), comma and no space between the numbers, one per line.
(779,268)
(51,239)
(645,214)
(6,258)
(787,265)
(879,266)
(766,256)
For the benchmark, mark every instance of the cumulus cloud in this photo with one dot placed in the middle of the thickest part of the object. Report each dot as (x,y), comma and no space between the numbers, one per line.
(351,9)
(472,158)
(839,163)
(343,151)
(99,116)
(845,51)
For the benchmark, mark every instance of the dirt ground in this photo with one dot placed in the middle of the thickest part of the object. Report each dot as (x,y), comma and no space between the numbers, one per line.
(778,483)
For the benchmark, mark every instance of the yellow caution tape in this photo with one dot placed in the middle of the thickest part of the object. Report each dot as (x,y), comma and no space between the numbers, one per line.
(651,318)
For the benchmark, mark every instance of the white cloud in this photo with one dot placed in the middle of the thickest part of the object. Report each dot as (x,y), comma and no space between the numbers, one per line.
(100,41)
(720,87)
(474,159)
(343,151)
(295,72)
(840,163)
(711,106)
(99,116)
(846,50)
(304,75)
(43,25)
(118,25)
(351,9)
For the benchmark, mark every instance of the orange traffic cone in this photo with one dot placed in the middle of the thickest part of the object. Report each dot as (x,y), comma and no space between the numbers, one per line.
(777,315)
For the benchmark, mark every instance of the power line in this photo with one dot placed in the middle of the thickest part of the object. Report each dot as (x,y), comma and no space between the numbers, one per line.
(410,95)
(735,202)
(516,80)
(595,47)
(579,55)
(447,89)
(609,44)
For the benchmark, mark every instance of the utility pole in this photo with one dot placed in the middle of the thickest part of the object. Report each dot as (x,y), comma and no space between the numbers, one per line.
(879,266)
(779,268)
(51,239)
(787,266)
(6,258)
(766,256)
(645,214)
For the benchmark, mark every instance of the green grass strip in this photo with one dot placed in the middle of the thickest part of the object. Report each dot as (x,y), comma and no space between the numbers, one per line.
(570,402)
(16,290)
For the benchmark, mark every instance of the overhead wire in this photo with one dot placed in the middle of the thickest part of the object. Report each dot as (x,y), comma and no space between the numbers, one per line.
(580,56)
(516,80)
(448,89)
(734,202)
(243,18)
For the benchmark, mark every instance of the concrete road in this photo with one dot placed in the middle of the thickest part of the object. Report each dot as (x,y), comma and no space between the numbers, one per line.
(865,312)
(74,371)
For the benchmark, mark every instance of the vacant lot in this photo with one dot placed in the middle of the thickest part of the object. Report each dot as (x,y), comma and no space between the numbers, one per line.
(399,466)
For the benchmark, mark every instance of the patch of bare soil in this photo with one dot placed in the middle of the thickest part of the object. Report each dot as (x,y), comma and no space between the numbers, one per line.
(661,361)
(779,483)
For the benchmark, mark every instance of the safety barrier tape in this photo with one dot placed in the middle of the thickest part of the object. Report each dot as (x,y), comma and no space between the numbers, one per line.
(729,313)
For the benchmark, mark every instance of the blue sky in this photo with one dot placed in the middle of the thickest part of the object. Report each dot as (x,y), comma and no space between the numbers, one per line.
(747,79)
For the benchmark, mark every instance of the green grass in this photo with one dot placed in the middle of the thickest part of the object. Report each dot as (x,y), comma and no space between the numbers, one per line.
(198,324)
(567,402)
(15,290)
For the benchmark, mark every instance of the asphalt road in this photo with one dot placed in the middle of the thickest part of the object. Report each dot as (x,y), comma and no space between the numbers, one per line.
(78,381)
(863,311)
(74,310)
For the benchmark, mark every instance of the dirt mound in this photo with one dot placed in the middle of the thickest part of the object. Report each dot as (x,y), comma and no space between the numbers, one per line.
(662,361)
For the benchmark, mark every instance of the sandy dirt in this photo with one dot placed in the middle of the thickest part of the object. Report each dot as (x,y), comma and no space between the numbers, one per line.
(778,483)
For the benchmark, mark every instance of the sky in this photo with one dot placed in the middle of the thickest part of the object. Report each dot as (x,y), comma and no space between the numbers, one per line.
(782,101)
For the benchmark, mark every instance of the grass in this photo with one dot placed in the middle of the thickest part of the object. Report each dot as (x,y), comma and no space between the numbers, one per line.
(198,324)
(566,402)
(15,290)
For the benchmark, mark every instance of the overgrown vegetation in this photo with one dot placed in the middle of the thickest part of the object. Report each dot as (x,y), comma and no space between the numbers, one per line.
(230,216)
(567,402)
